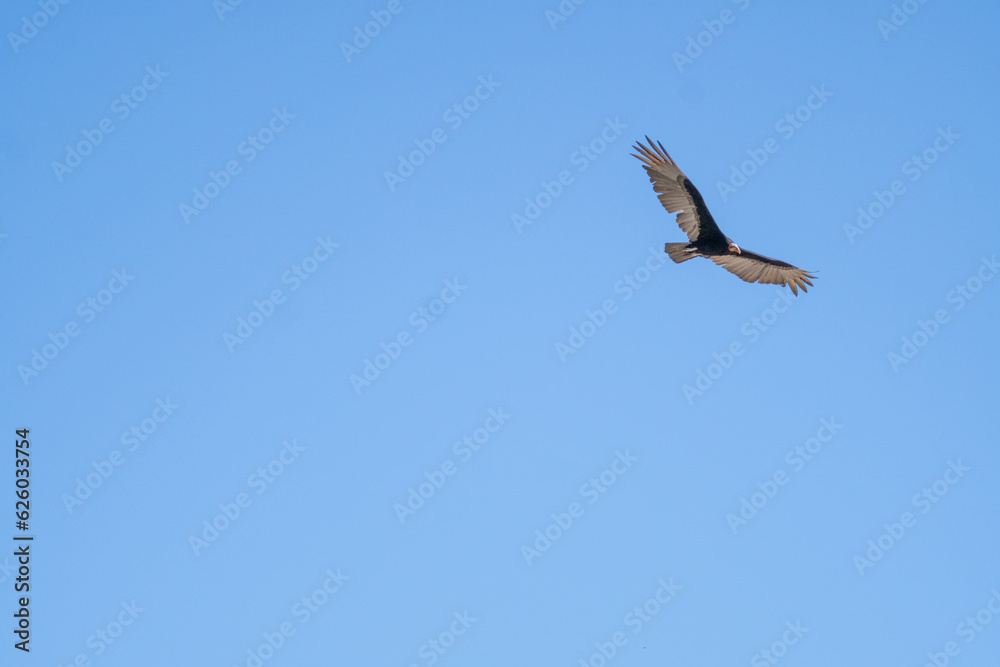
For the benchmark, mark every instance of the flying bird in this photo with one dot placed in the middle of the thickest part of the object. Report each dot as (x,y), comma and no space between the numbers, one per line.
(678,195)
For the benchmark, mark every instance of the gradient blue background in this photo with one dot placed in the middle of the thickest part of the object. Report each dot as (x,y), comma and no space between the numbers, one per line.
(495,346)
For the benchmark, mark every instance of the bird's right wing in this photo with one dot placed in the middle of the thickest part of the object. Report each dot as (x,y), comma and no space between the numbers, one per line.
(755,268)
(677,193)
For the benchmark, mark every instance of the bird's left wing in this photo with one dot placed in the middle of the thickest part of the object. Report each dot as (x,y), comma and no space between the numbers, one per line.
(755,268)
(677,193)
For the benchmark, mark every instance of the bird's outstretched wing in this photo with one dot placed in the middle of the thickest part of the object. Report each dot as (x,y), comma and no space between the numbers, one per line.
(755,268)
(677,193)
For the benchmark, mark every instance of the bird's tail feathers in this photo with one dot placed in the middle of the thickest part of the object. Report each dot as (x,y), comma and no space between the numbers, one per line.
(680,252)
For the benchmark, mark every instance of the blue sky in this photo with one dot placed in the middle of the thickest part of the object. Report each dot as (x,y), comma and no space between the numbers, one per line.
(339,347)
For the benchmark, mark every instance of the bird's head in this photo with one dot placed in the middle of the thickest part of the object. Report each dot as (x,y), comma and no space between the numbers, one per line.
(733,247)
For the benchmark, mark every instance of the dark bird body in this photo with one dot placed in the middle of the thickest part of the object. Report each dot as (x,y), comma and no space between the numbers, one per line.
(678,195)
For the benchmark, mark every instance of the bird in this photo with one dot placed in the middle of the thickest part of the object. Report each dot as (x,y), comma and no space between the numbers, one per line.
(678,195)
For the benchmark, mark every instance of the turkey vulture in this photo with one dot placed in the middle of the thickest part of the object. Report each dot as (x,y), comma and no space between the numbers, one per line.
(678,195)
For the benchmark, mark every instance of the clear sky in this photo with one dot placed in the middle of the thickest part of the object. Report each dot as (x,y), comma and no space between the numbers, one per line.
(345,336)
